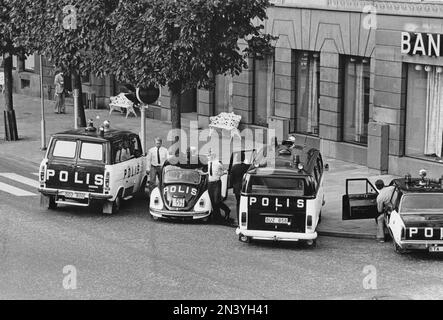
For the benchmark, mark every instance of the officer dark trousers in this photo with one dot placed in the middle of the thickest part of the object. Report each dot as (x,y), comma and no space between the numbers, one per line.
(214,190)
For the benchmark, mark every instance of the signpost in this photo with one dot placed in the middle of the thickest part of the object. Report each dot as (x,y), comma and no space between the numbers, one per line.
(42,104)
(76,94)
(146,96)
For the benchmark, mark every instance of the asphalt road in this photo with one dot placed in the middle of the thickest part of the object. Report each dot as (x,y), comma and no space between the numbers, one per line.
(130,256)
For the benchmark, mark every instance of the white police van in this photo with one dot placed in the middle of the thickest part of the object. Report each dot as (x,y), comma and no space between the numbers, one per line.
(87,166)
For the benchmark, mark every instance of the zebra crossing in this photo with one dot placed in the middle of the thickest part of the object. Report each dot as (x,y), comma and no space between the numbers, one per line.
(19,185)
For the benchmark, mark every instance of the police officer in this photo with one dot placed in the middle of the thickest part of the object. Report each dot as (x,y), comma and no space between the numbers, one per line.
(157,157)
(383,199)
(215,172)
(237,173)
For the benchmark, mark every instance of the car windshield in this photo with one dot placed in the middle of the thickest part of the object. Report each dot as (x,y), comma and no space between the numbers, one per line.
(178,175)
(277,186)
(422,202)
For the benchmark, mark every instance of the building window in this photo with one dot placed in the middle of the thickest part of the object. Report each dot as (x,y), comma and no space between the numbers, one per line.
(307,92)
(356,73)
(263,76)
(30,63)
(424,111)
(86,77)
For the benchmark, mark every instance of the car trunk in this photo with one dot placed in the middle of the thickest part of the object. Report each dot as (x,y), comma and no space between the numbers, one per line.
(423,226)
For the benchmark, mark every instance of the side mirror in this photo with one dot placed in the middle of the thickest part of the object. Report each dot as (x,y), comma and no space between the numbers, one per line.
(326,167)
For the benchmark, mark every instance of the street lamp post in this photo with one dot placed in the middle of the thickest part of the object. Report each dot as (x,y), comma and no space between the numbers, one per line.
(42,104)
(76,94)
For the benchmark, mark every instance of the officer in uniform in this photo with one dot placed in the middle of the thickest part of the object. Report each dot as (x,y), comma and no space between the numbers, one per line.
(383,199)
(215,172)
(157,157)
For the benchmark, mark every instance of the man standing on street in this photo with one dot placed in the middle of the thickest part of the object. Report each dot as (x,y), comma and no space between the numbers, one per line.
(383,199)
(237,173)
(157,156)
(59,92)
(216,171)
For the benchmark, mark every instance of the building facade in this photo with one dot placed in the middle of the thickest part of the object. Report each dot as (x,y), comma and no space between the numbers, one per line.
(363,80)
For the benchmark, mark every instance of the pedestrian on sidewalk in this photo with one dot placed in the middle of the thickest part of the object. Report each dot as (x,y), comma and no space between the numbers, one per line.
(59,92)
(215,172)
(237,173)
(157,157)
(383,199)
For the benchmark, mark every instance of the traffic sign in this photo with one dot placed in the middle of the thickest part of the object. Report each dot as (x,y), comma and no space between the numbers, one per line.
(148,95)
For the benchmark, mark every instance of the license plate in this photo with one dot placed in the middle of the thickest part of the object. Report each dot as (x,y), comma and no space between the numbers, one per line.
(74,195)
(178,202)
(276,220)
(436,249)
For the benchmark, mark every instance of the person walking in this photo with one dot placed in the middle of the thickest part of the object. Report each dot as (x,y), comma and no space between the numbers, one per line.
(215,172)
(383,199)
(157,157)
(59,92)
(237,173)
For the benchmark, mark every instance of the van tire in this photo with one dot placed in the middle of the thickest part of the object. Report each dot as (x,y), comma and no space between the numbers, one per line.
(111,208)
(142,190)
(52,205)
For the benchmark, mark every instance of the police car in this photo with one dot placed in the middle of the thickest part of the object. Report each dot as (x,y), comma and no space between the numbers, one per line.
(87,166)
(183,192)
(414,216)
(282,200)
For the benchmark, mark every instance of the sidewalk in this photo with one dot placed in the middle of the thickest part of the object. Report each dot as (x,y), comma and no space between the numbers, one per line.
(28,150)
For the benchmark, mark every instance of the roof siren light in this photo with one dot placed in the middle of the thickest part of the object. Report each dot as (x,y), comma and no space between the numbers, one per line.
(90,127)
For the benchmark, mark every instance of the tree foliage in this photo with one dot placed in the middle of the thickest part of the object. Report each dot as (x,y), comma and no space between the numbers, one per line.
(182,41)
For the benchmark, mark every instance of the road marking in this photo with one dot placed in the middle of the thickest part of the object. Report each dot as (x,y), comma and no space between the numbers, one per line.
(16,177)
(15,191)
(36,174)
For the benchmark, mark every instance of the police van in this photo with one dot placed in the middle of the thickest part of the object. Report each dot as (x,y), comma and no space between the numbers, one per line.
(282,199)
(87,166)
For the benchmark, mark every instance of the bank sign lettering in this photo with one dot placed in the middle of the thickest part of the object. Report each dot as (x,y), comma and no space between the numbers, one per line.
(424,44)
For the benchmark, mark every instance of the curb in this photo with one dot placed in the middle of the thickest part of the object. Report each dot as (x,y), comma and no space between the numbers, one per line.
(341,234)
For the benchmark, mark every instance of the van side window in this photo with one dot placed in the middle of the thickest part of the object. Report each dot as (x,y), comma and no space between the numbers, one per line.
(135,146)
(320,164)
(116,151)
(316,176)
(395,198)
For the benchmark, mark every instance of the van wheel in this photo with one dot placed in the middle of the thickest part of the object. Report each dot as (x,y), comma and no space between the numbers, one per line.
(111,208)
(244,239)
(52,205)
(142,190)
(312,243)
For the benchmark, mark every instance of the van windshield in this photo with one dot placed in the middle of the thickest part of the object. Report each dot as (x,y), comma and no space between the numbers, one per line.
(277,186)
(64,149)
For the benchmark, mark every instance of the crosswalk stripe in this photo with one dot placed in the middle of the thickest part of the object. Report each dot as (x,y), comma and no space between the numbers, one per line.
(15,191)
(16,177)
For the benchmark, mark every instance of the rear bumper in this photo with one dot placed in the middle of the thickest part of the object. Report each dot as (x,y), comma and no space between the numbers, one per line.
(191,215)
(88,195)
(276,235)
(419,244)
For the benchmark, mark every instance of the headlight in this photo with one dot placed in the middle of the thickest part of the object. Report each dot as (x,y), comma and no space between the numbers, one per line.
(203,204)
(156,202)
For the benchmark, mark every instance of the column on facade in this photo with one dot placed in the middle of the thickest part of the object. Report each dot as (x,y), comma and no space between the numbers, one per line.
(283,118)
(331,88)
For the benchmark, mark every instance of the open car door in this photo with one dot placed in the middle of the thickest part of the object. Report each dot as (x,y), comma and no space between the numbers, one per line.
(236,158)
(360,200)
